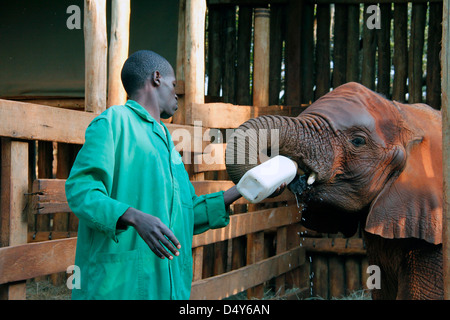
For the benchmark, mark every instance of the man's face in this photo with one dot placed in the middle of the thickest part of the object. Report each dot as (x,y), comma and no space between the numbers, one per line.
(168,100)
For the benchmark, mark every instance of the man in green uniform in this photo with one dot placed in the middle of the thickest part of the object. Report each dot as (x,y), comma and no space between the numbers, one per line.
(137,209)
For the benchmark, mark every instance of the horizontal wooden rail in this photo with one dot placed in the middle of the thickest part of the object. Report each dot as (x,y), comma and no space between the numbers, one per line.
(39,122)
(31,260)
(340,246)
(49,196)
(225,115)
(250,222)
(233,282)
(35,259)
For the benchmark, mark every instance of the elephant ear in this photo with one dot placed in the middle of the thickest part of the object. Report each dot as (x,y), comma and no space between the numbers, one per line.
(411,204)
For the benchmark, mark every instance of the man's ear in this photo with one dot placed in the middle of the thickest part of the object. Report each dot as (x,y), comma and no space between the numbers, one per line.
(156,77)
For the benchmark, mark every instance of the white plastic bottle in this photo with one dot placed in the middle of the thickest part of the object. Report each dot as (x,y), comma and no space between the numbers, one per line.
(261,181)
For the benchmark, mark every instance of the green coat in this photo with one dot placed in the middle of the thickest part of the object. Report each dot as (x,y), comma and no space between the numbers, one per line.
(127,160)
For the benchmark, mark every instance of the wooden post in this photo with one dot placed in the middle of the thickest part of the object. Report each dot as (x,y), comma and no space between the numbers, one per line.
(261,57)
(95,42)
(13,214)
(446,143)
(118,50)
(194,60)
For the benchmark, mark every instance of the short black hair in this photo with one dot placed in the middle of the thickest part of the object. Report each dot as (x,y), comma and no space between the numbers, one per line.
(140,66)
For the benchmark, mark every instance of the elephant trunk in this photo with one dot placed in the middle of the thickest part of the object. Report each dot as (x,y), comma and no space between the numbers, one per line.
(259,138)
(306,139)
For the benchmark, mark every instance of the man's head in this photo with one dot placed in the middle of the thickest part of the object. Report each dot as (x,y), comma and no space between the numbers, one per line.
(147,73)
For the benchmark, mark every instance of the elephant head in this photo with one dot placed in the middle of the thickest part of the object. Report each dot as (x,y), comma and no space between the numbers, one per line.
(361,157)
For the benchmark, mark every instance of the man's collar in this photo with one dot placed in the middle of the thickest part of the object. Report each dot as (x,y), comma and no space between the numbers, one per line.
(140,110)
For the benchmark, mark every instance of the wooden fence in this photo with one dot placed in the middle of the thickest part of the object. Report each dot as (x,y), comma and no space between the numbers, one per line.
(314,47)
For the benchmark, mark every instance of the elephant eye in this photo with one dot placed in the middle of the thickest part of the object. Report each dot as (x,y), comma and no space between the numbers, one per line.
(358,141)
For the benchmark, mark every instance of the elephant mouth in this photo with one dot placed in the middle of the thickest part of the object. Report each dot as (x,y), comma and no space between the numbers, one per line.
(303,181)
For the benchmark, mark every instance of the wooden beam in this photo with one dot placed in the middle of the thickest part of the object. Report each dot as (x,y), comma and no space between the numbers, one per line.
(118,50)
(445,62)
(39,122)
(31,260)
(13,209)
(224,115)
(49,194)
(96,50)
(233,282)
(42,122)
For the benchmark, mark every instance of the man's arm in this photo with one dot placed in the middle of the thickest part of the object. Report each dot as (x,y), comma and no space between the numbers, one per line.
(232,194)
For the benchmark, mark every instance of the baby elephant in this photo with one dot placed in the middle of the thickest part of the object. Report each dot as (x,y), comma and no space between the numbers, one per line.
(365,160)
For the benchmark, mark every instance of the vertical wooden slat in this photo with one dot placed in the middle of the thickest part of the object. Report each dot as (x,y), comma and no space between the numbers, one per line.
(320,278)
(255,253)
(280,282)
(400,51)
(353,43)
(415,54)
(118,50)
(229,62)
(243,96)
(384,50)
(215,52)
(277,36)
(261,57)
(340,45)
(197,255)
(352,274)
(322,63)
(194,61)
(13,207)
(434,48)
(96,47)
(293,52)
(180,116)
(369,48)
(446,142)
(336,273)
(307,54)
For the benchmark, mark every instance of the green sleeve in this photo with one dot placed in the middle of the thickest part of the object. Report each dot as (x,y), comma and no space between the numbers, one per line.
(209,211)
(89,185)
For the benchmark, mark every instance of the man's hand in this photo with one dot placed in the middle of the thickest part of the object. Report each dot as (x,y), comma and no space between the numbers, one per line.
(155,233)
(279,191)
